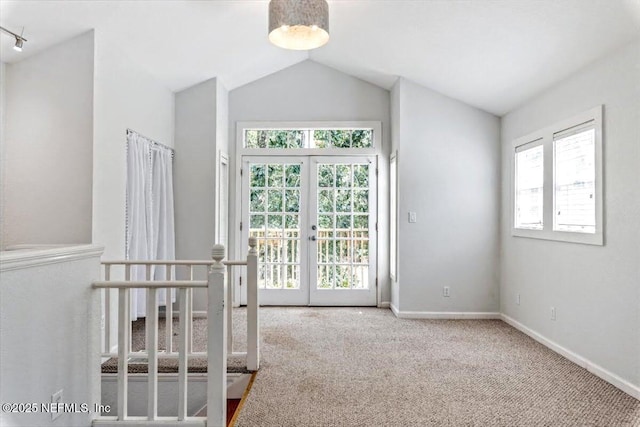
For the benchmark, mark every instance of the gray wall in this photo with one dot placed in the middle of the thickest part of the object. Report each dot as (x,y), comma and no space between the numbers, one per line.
(201,130)
(595,289)
(48,150)
(449,168)
(309,91)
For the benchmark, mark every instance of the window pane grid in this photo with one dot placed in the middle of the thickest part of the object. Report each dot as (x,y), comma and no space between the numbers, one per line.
(274,219)
(343,226)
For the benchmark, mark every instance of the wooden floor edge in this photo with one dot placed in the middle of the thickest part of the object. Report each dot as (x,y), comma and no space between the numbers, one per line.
(244,397)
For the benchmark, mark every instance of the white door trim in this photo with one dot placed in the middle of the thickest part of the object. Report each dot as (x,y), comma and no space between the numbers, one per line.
(349,297)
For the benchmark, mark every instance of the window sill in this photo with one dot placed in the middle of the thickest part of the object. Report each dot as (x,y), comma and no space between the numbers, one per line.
(596,239)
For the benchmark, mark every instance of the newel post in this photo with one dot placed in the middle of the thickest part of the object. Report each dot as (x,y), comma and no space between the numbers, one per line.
(253,318)
(217,341)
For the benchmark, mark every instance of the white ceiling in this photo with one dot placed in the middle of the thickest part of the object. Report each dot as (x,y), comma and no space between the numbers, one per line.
(493,54)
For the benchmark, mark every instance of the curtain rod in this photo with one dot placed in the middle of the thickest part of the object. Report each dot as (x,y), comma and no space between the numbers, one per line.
(173,152)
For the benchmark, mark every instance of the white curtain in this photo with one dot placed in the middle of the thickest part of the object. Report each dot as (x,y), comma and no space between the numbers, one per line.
(150,224)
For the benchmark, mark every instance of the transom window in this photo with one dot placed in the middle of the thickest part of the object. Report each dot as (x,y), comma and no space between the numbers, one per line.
(557,179)
(308,138)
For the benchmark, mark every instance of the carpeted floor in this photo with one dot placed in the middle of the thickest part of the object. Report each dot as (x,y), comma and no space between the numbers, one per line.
(363,367)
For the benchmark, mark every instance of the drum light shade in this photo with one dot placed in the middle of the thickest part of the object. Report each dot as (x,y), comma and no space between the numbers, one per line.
(298,24)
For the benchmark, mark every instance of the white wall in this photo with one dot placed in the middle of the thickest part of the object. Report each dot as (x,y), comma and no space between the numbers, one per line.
(595,289)
(49,340)
(48,145)
(200,131)
(3,121)
(222,118)
(449,168)
(309,91)
(126,96)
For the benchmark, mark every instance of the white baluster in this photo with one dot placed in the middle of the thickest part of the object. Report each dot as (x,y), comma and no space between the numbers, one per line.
(182,356)
(107,311)
(190,313)
(152,352)
(127,277)
(123,349)
(168,318)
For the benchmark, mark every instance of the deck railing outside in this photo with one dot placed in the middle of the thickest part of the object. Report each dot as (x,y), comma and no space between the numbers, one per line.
(219,336)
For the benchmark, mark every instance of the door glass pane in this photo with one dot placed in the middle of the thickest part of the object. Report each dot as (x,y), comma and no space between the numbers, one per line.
(325,200)
(343,200)
(274,219)
(343,225)
(343,175)
(326,175)
(292,175)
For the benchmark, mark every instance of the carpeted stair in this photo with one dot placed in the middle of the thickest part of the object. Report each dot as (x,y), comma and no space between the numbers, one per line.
(235,364)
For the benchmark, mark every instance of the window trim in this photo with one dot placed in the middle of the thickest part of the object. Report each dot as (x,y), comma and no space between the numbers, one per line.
(241,127)
(376,150)
(393,217)
(546,135)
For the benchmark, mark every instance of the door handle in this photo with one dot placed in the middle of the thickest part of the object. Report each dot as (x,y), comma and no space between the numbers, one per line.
(312,238)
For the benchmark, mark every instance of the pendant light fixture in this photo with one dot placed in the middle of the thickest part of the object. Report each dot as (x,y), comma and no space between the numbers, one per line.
(298,24)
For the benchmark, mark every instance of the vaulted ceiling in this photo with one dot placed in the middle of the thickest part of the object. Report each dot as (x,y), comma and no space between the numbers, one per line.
(492,54)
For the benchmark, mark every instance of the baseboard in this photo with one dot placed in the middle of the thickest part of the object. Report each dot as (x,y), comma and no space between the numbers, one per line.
(394,309)
(595,369)
(384,304)
(444,315)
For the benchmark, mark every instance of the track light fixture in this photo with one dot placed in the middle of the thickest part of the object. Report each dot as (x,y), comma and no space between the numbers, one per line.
(19,39)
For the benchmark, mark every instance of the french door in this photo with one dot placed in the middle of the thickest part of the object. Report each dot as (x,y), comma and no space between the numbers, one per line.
(314,218)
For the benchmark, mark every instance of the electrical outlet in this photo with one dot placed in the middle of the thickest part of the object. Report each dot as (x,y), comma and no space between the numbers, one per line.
(518,299)
(553,313)
(56,403)
(413,217)
(445,292)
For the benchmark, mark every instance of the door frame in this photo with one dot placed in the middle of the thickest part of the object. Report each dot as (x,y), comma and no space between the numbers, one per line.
(239,249)
(310,294)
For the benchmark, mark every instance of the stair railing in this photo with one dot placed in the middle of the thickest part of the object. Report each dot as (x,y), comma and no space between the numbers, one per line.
(218,326)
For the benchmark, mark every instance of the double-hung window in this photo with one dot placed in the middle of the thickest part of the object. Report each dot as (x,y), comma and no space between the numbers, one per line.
(557,181)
